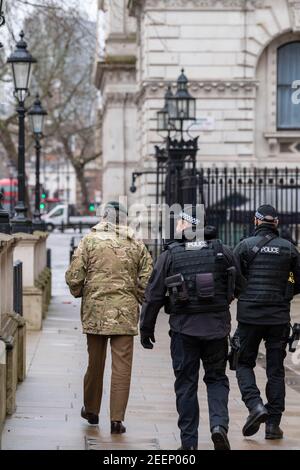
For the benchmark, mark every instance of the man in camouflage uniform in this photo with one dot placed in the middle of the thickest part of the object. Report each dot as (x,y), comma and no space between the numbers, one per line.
(109,270)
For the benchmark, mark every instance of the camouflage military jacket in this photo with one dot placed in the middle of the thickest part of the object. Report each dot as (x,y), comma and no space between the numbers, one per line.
(110,270)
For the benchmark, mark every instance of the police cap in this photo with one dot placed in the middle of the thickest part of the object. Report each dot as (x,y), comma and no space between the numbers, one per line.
(266,213)
(189,213)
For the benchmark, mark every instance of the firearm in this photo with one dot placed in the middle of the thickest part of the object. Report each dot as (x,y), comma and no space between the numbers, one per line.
(234,352)
(294,338)
(177,287)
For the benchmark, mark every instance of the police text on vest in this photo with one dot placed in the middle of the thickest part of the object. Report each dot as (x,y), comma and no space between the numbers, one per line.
(271,250)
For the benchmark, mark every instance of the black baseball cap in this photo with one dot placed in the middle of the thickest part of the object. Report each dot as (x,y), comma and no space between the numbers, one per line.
(266,213)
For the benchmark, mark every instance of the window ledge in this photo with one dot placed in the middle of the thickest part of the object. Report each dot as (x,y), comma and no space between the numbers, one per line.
(277,139)
(282,135)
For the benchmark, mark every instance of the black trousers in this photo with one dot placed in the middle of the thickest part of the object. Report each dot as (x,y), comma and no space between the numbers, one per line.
(275,337)
(186,352)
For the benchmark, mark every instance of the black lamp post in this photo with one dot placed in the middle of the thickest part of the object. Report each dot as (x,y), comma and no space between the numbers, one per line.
(37,119)
(181,173)
(12,176)
(176,174)
(21,61)
(2,18)
(4,216)
(181,153)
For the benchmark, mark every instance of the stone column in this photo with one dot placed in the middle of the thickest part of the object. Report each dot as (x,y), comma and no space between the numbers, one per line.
(42,273)
(115,76)
(31,250)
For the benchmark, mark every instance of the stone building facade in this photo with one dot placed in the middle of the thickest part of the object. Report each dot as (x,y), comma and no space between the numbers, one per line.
(230,50)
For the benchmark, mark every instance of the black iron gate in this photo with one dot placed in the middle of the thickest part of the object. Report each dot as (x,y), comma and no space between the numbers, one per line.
(231,196)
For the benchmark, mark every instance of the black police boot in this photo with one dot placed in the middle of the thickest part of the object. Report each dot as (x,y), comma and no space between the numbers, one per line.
(116,427)
(257,416)
(273,431)
(219,438)
(90,417)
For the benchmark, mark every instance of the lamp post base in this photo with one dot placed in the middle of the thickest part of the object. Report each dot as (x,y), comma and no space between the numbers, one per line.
(21,223)
(5,226)
(38,225)
(4,218)
(24,226)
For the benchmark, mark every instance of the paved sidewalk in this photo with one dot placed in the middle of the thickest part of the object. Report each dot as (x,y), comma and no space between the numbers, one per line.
(49,401)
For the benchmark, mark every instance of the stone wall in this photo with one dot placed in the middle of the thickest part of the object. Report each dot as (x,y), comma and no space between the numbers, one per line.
(31,251)
(12,333)
(220,44)
(116,78)
(228,49)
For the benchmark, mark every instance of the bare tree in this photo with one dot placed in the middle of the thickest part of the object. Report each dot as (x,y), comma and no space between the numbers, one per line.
(63,41)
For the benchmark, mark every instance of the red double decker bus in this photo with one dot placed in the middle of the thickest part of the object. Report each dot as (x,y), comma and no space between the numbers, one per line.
(9,189)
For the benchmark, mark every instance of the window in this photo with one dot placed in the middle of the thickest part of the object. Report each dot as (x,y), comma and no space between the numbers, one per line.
(288,70)
(57,213)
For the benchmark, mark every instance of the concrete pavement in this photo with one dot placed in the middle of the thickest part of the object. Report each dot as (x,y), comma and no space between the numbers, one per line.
(49,401)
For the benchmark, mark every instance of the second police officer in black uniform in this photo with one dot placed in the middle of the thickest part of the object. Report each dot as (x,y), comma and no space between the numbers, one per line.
(200,279)
(272,268)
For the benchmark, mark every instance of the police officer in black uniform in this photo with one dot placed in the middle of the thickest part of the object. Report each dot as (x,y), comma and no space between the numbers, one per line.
(272,269)
(199,280)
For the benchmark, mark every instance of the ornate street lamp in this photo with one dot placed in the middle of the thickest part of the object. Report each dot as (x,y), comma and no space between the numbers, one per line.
(182,105)
(181,172)
(21,62)
(163,114)
(164,124)
(2,18)
(37,119)
(176,172)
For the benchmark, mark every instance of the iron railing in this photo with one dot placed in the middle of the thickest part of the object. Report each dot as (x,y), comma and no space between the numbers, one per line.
(18,287)
(231,196)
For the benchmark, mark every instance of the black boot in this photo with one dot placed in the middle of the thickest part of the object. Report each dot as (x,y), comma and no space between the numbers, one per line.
(257,416)
(90,417)
(219,438)
(117,427)
(273,431)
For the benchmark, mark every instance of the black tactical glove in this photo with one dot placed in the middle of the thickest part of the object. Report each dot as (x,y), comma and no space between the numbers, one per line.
(147,340)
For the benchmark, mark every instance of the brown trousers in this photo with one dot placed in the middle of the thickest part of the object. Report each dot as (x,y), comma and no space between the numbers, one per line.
(121,354)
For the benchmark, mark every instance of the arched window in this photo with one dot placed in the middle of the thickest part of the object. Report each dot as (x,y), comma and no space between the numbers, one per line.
(288,70)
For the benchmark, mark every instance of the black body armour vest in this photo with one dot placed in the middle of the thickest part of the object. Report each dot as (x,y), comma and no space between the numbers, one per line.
(189,263)
(268,273)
